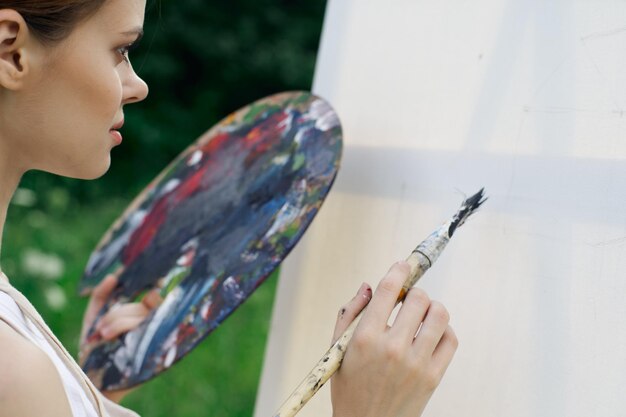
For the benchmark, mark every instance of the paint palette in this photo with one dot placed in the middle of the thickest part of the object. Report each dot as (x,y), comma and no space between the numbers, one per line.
(211,228)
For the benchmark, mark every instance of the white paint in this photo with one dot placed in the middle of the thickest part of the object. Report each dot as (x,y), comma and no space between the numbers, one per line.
(526,98)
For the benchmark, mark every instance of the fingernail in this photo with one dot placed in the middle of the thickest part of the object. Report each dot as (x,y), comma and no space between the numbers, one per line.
(395,265)
(105,332)
(365,290)
(368,293)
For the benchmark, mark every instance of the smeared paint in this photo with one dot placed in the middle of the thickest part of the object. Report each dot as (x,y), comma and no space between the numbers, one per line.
(211,228)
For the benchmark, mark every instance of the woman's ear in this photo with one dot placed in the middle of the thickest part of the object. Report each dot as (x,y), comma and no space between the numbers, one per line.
(13,55)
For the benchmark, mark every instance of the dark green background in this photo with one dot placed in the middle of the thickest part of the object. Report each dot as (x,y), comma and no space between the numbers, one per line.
(202,60)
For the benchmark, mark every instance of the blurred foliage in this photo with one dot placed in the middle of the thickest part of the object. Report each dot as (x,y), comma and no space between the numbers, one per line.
(202,60)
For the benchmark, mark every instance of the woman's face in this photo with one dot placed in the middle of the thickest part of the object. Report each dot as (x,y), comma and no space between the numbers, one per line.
(64,116)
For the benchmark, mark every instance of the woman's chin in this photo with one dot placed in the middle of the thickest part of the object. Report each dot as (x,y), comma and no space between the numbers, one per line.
(95,174)
(83,172)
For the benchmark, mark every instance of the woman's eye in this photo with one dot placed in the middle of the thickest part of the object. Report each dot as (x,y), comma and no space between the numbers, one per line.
(123,51)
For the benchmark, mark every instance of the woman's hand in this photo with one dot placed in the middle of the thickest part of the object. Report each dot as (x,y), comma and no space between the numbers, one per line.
(392,371)
(119,319)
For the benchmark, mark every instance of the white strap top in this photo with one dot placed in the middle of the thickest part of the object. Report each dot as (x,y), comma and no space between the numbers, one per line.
(85,400)
(11,314)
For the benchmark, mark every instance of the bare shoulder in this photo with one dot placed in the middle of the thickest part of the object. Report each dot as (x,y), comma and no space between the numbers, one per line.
(29,382)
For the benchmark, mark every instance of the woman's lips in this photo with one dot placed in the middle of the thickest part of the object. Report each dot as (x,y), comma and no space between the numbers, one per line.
(118,126)
(117,136)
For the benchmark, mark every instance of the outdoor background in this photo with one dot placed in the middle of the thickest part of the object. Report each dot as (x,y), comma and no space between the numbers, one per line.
(202,60)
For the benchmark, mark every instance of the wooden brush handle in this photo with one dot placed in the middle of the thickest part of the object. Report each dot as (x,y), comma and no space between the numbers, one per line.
(331,361)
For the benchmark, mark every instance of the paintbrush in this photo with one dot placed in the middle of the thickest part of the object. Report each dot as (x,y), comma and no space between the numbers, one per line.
(420,260)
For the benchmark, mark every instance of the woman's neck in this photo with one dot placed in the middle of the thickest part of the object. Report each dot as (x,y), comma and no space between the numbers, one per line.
(9,180)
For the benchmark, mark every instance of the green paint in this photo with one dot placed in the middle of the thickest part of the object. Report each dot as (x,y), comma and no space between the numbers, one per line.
(298,162)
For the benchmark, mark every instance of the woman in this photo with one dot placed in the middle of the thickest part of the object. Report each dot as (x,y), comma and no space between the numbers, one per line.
(65,77)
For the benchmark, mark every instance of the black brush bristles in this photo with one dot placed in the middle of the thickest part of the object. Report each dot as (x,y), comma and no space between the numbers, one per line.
(469,206)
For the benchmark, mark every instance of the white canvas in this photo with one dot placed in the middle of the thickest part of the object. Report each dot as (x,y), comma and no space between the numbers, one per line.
(526,98)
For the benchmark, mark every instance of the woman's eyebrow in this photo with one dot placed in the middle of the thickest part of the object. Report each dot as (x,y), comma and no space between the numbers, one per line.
(135,31)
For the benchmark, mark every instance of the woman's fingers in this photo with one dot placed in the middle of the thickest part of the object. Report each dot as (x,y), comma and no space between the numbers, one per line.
(386,296)
(445,350)
(98,298)
(410,316)
(152,299)
(348,312)
(121,319)
(393,371)
(120,326)
(101,292)
(432,330)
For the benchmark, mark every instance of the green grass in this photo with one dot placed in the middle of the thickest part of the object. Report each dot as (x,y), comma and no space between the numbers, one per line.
(219,378)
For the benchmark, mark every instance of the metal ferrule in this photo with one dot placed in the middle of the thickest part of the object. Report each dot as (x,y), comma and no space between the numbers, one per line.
(434,244)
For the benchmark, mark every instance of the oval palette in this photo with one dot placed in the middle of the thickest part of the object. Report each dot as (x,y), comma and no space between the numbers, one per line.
(211,228)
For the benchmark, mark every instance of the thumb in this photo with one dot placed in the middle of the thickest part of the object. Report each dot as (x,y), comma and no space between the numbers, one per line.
(99,295)
(152,299)
(102,291)
(349,311)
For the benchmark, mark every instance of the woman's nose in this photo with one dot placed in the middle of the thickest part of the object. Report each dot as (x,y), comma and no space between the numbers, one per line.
(135,89)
